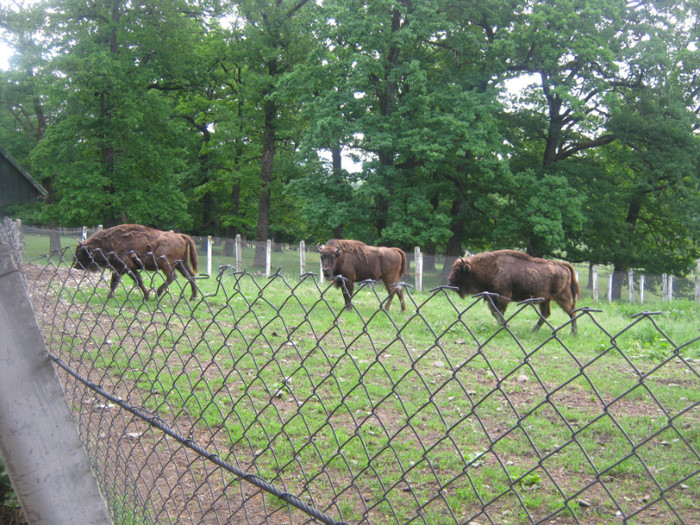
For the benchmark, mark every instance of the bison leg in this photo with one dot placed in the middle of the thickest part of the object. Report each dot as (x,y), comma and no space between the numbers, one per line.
(169,277)
(347,288)
(498,306)
(188,274)
(394,289)
(116,277)
(545,312)
(568,305)
(136,276)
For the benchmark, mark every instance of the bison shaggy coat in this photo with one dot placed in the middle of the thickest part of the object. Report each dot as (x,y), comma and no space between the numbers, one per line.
(515,276)
(128,248)
(356,261)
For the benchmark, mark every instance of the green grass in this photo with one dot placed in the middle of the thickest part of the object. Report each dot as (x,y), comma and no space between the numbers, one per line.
(437,411)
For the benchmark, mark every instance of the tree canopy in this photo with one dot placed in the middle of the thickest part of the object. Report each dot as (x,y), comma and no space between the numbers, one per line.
(561,128)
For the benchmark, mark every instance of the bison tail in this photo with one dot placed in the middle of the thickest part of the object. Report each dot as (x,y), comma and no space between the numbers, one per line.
(575,290)
(404,264)
(192,249)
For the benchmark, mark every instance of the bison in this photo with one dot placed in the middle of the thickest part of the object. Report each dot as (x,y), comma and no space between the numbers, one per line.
(515,276)
(356,261)
(128,248)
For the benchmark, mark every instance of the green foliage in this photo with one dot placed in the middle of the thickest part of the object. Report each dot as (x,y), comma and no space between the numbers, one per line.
(209,117)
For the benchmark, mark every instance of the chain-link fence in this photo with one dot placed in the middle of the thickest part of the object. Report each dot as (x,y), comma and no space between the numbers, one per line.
(264,401)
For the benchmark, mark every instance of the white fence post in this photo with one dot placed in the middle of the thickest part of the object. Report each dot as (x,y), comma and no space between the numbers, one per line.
(664,279)
(239,258)
(418,258)
(320,271)
(268,257)
(83,233)
(697,283)
(302,258)
(594,278)
(209,254)
(610,286)
(670,287)
(641,289)
(630,278)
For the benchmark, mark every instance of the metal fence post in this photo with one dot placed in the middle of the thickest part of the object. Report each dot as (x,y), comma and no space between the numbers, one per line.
(39,442)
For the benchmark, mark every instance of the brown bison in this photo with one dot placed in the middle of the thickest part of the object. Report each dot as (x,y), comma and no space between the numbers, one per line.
(128,248)
(356,261)
(515,276)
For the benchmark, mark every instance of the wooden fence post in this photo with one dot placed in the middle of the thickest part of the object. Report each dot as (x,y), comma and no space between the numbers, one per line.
(630,279)
(594,278)
(239,257)
(302,258)
(664,280)
(209,254)
(418,259)
(39,442)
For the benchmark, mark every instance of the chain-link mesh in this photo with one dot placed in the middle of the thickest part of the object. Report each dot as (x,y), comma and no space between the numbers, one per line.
(265,402)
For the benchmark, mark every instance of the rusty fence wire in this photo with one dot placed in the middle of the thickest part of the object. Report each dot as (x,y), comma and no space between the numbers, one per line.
(265,402)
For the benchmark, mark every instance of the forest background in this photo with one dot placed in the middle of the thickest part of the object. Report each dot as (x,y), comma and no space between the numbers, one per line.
(564,128)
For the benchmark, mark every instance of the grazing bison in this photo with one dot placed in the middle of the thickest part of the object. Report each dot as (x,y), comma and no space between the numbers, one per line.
(515,276)
(356,261)
(128,248)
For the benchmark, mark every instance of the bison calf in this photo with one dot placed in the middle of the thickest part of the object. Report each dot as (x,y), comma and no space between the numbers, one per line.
(515,276)
(128,248)
(356,261)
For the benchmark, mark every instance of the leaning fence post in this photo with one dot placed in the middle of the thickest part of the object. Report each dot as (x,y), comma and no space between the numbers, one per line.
(238,252)
(209,254)
(418,257)
(268,256)
(39,442)
(302,258)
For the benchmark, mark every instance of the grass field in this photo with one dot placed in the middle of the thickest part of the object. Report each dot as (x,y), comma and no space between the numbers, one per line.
(433,415)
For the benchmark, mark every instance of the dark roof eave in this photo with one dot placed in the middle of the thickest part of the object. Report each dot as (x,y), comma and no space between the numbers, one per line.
(24,172)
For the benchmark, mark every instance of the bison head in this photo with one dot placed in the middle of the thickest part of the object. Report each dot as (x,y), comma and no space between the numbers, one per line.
(329,255)
(461,277)
(86,258)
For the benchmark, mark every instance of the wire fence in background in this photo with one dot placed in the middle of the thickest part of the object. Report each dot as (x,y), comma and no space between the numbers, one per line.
(425,271)
(265,402)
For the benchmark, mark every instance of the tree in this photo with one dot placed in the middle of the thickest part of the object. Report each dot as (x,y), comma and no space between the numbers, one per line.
(277,39)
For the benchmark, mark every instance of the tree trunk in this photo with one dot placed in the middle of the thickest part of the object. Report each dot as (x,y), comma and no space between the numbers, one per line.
(268,156)
(454,244)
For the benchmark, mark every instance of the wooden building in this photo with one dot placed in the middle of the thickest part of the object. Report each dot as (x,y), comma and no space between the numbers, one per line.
(16,185)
